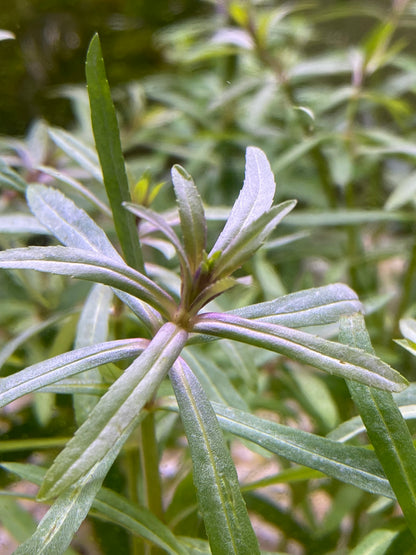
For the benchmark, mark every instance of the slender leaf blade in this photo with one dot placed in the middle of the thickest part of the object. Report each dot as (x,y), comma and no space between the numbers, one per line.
(166,229)
(255,198)
(337,359)
(117,413)
(74,228)
(249,239)
(350,464)
(309,307)
(76,150)
(66,365)
(92,329)
(113,507)
(70,224)
(192,216)
(386,427)
(91,266)
(107,140)
(225,515)
(16,223)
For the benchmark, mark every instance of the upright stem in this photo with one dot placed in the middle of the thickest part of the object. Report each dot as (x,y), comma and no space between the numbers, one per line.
(133,470)
(149,456)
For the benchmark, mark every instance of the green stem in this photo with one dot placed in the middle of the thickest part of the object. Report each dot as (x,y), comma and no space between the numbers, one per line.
(133,470)
(149,456)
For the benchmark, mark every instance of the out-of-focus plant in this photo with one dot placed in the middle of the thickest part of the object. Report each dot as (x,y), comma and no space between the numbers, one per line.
(331,107)
(335,123)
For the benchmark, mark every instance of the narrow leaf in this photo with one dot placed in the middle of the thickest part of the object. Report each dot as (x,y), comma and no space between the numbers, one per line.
(74,228)
(92,267)
(249,239)
(337,359)
(191,213)
(107,140)
(21,223)
(386,427)
(92,329)
(110,506)
(11,179)
(345,217)
(225,515)
(163,227)
(57,528)
(77,151)
(255,198)
(68,364)
(213,379)
(310,307)
(116,415)
(22,338)
(76,186)
(70,224)
(377,542)
(354,465)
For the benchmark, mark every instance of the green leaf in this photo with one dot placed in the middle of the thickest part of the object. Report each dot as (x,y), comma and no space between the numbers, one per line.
(21,223)
(57,528)
(91,266)
(211,291)
(214,381)
(377,541)
(116,415)
(11,179)
(349,464)
(386,427)
(70,224)
(76,186)
(112,507)
(223,509)
(191,213)
(354,426)
(77,151)
(74,228)
(68,364)
(255,198)
(334,358)
(107,140)
(344,217)
(92,329)
(249,239)
(15,519)
(22,338)
(310,307)
(163,227)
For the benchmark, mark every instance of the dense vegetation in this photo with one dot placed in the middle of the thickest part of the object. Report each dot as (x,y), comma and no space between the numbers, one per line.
(206,330)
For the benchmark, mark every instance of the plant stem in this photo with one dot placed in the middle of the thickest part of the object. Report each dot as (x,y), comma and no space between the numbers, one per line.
(149,456)
(133,469)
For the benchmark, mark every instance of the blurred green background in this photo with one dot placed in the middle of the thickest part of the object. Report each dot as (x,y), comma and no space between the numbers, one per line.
(52,37)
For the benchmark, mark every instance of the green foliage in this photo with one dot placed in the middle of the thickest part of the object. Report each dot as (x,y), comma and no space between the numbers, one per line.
(202,324)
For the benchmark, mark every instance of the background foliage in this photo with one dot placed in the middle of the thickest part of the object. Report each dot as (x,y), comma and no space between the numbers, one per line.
(327,90)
